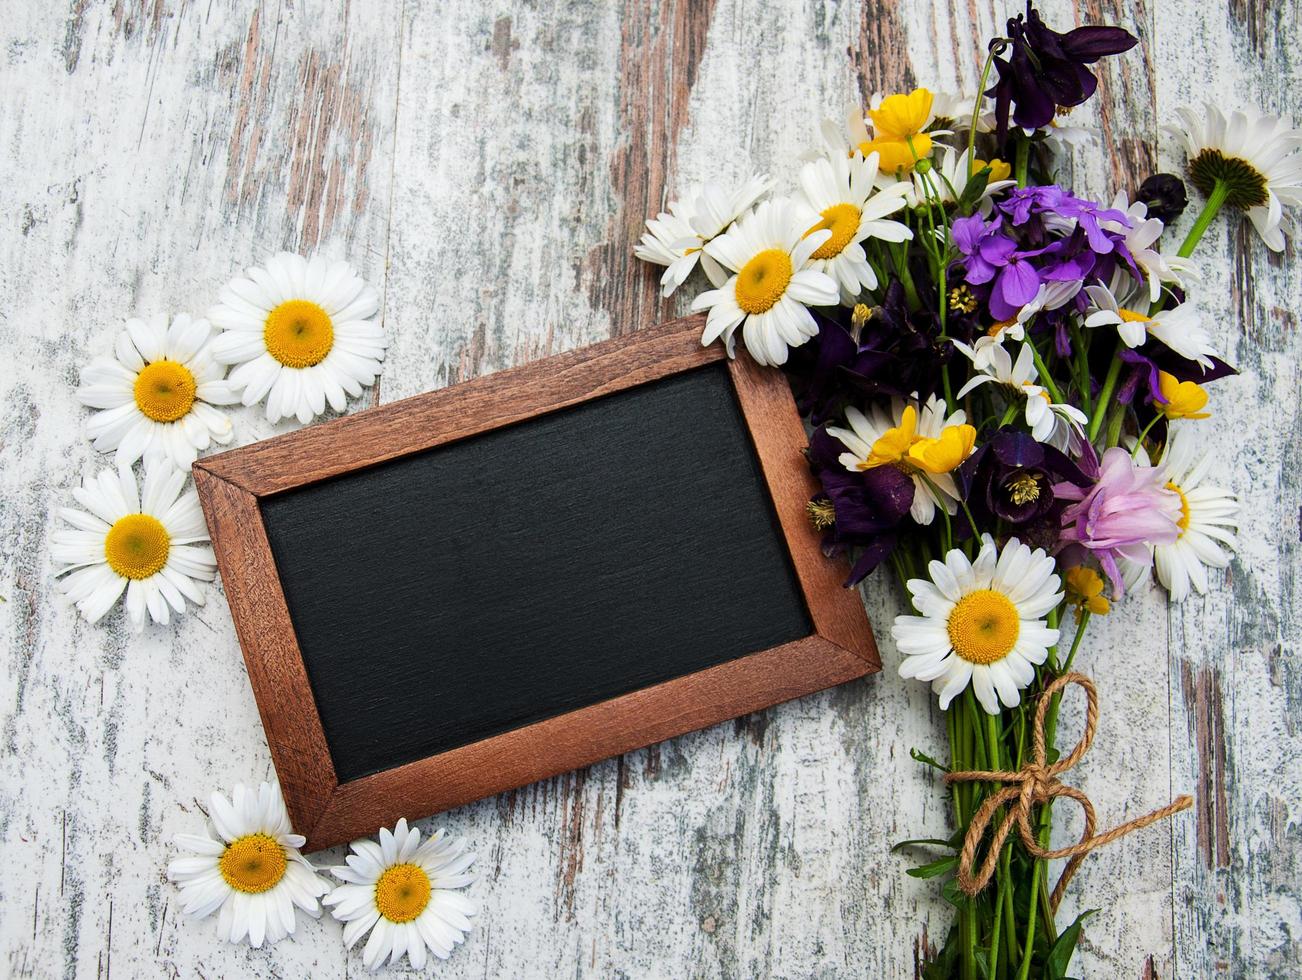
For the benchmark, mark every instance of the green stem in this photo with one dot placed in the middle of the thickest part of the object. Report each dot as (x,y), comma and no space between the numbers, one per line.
(992,751)
(1080,356)
(1046,378)
(1032,906)
(995,49)
(1220,192)
(1023,152)
(1105,395)
(1142,435)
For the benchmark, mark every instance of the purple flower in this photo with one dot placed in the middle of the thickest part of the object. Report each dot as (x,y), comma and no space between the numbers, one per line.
(1046,69)
(1125,512)
(867,508)
(895,352)
(1011,478)
(990,254)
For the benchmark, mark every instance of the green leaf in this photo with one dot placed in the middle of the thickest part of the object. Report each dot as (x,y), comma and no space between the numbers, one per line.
(921,842)
(1055,964)
(934,869)
(976,186)
(927,760)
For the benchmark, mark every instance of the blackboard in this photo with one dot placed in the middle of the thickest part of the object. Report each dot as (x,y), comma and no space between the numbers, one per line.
(479,587)
(532,570)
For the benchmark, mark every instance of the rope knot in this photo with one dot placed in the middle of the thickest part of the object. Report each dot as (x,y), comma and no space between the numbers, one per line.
(1035,785)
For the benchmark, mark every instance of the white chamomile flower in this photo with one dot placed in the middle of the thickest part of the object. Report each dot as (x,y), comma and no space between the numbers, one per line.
(772,285)
(1252,158)
(401,891)
(251,871)
(840,190)
(152,544)
(982,623)
(301,333)
(1208,517)
(1050,296)
(1179,328)
(879,438)
(1140,236)
(677,238)
(156,393)
(1049,421)
(953,111)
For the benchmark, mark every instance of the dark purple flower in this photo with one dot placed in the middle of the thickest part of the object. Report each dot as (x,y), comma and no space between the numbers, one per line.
(1011,478)
(1045,70)
(895,351)
(1146,361)
(1165,197)
(866,507)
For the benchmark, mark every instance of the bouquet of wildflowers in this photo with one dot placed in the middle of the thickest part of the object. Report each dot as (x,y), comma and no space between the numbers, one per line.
(1004,381)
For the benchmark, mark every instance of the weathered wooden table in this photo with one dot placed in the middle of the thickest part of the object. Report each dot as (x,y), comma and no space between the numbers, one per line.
(489,167)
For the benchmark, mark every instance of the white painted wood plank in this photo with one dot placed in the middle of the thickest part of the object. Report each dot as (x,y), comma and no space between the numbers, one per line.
(157,150)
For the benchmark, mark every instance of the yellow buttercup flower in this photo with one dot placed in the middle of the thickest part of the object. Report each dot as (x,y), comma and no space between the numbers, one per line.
(898,137)
(1184,399)
(999,170)
(893,445)
(1085,591)
(945,453)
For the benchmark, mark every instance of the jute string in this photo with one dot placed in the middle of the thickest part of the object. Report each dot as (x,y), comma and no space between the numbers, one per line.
(1035,784)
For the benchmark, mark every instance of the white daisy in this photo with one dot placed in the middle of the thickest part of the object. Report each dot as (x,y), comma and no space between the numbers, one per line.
(157,393)
(1253,158)
(252,870)
(1208,517)
(1140,236)
(401,891)
(772,286)
(301,333)
(839,189)
(982,623)
(151,544)
(1050,296)
(1049,421)
(676,238)
(881,439)
(1179,327)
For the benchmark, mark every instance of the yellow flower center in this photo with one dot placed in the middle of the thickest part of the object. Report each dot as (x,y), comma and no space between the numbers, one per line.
(136,546)
(402,892)
(1183,522)
(253,864)
(763,280)
(164,391)
(298,333)
(1023,489)
(984,626)
(1130,316)
(843,221)
(997,328)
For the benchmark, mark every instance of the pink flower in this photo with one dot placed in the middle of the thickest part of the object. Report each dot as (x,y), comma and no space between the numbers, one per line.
(1125,513)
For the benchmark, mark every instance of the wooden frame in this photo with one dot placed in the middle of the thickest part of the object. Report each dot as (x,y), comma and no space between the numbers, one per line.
(327,812)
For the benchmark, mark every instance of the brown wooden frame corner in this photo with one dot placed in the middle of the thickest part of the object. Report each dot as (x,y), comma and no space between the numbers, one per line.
(231,484)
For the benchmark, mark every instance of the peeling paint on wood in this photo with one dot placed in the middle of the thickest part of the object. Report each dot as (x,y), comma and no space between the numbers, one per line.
(488,169)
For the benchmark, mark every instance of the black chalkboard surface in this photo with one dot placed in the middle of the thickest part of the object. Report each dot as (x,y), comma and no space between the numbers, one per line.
(513,576)
(476,588)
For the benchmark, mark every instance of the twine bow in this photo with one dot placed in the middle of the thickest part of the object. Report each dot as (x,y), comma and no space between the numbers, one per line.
(1036,784)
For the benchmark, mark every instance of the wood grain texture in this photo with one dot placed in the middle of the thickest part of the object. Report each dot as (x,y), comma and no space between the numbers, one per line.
(479,164)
